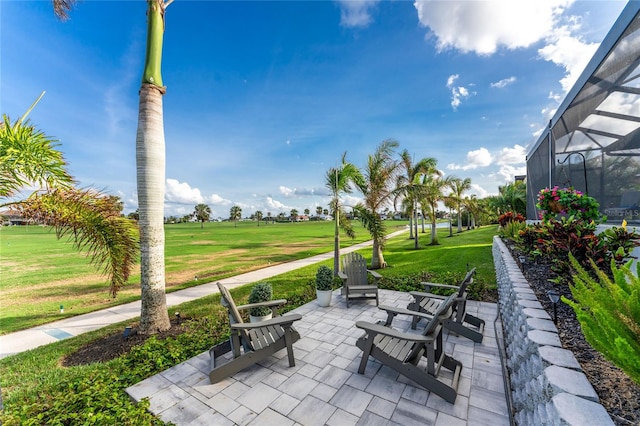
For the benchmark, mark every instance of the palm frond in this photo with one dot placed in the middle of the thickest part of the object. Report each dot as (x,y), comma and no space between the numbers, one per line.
(92,222)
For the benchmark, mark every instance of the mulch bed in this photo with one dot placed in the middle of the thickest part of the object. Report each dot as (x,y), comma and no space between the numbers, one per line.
(619,395)
(115,345)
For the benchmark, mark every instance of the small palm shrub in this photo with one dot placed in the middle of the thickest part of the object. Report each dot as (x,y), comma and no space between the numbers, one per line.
(261,292)
(324,278)
(609,313)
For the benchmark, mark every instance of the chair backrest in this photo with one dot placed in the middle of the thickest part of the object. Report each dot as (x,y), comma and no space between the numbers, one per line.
(234,313)
(355,267)
(468,280)
(444,310)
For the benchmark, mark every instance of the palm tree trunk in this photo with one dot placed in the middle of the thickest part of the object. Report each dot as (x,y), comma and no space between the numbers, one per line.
(434,233)
(416,243)
(336,241)
(150,158)
(377,258)
(411,225)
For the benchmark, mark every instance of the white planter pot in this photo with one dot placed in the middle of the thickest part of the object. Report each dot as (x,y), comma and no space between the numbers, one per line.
(324,297)
(258,319)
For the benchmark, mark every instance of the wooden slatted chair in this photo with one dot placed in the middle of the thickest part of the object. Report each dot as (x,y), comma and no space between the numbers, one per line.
(404,352)
(355,278)
(251,342)
(461,322)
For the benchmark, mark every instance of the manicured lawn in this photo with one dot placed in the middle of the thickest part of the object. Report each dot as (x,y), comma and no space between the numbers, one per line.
(39,273)
(38,390)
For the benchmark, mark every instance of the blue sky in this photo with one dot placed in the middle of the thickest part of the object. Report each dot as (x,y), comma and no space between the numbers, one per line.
(263,97)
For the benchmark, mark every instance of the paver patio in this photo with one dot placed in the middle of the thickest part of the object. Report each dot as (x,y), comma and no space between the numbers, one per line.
(324,387)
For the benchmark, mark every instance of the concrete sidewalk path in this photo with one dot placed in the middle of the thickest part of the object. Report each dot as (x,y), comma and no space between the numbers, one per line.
(24,340)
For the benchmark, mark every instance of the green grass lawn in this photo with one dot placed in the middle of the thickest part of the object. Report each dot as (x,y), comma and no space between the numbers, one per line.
(39,273)
(38,390)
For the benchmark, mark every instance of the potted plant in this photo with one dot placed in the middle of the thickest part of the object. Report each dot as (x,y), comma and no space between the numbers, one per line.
(261,292)
(569,201)
(324,285)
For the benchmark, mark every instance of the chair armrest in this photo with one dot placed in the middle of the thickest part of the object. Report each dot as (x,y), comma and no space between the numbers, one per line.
(395,310)
(283,320)
(421,295)
(374,274)
(387,331)
(342,275)
(428,285)
(269,304)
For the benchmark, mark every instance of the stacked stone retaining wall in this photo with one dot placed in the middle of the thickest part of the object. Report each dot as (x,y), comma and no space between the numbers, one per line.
(547,384)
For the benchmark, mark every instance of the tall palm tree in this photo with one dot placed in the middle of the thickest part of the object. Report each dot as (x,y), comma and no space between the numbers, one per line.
(91,220)
(431,195)
(380,175)
(258,216)
(339,180)
(472,207)
(512,197)
(458,188)
(235,214)
(202,213)
(408,186)
(150,159)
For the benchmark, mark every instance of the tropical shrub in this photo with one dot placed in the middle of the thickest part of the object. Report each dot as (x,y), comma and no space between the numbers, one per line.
(512,229)
(261,292)
(508,217)
(609,313)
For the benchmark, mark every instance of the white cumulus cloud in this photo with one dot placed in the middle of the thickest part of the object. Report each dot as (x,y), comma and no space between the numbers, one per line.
(515,155)
(475,159)
(484,26)
(356,13)
(182,193)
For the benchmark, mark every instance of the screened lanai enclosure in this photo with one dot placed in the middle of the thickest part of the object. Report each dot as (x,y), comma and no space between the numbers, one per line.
(593,141)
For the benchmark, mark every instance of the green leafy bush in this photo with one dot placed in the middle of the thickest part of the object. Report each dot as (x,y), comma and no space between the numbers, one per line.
(569,201)
(553,241)
(511,229)
(261,292)
(324,278)
(609,313)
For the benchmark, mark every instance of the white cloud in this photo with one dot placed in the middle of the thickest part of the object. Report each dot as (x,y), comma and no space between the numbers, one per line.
(568,52)
(356,13)
(479,191)
(475,159)
(484,26)
(507,173)
(299,192)
(218,200)
(272,204)
(503,83)
(458,93)
(182,193)
(515,155)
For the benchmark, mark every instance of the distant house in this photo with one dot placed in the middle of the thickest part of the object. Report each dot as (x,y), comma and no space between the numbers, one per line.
(13,217)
